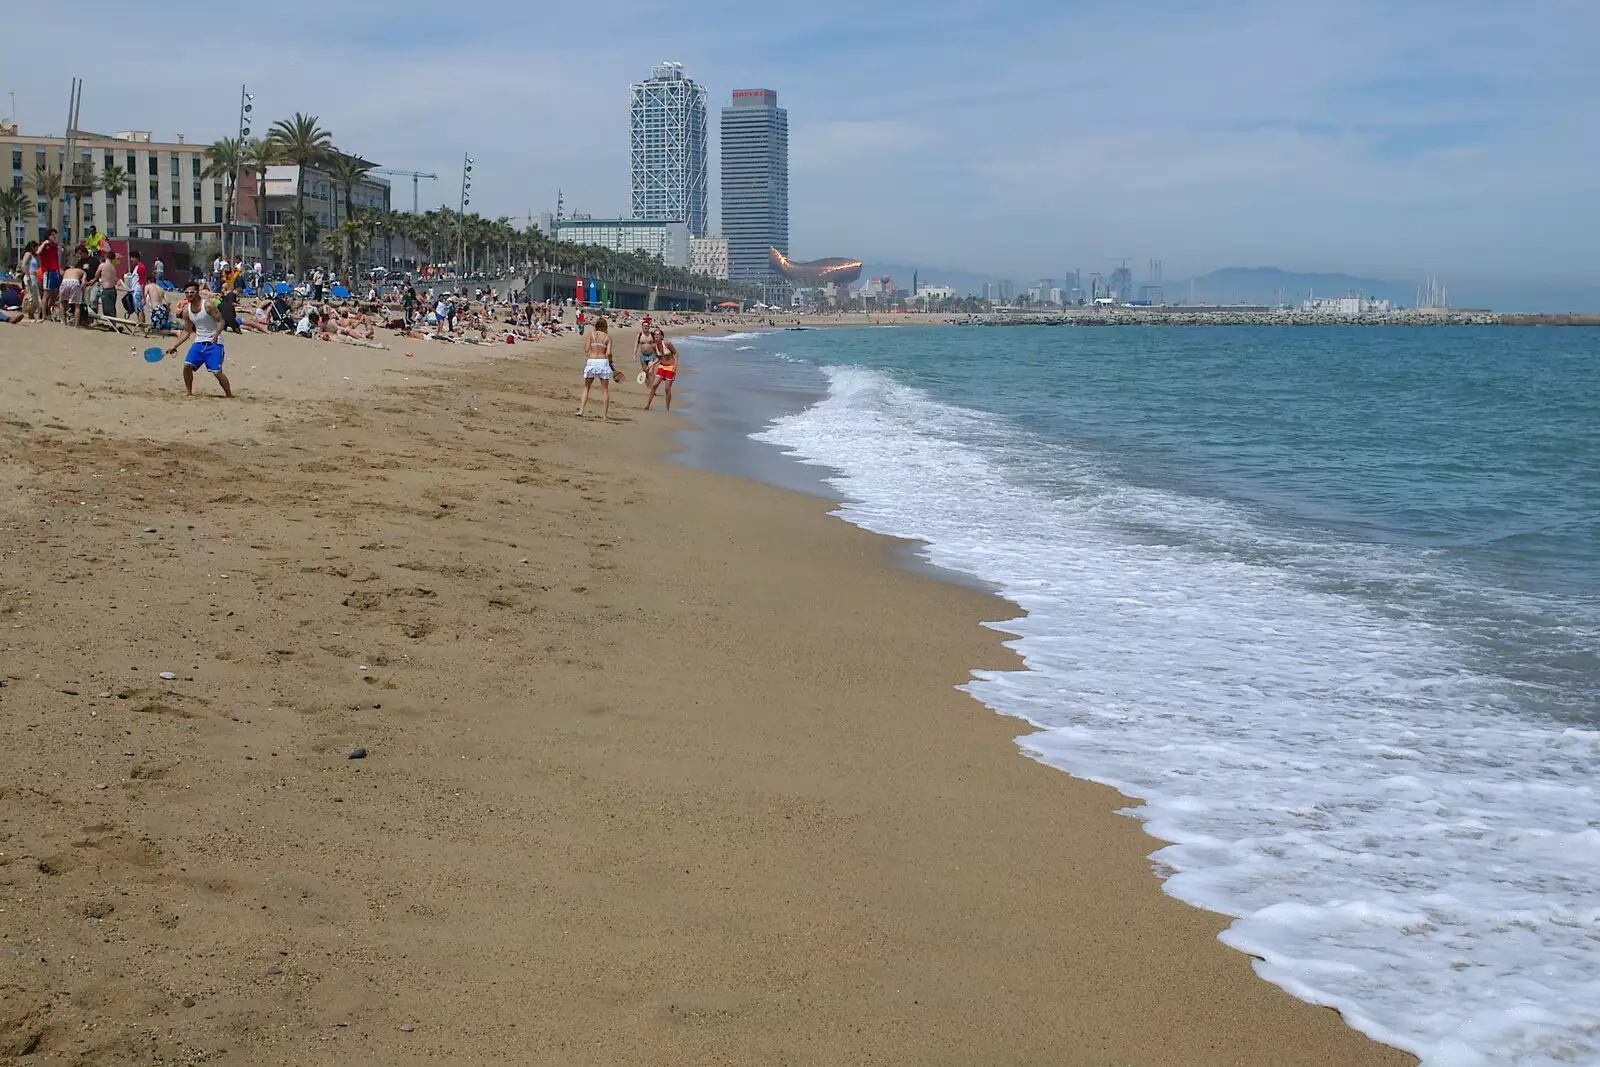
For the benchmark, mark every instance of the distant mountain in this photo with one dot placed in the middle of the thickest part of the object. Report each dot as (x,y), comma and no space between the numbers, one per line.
(1269,285)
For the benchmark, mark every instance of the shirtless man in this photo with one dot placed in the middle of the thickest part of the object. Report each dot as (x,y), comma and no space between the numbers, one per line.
(153,310)
(644,346)
(106,275)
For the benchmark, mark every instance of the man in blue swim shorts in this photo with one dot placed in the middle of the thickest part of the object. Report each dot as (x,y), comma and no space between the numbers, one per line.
(201,318)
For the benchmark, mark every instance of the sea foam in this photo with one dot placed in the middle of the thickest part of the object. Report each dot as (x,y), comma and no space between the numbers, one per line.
(1394,834)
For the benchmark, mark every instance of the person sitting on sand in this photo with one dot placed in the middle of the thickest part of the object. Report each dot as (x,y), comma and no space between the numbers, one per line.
(201,318)
(260,320)
(664,371)
(598,364)
(11,302)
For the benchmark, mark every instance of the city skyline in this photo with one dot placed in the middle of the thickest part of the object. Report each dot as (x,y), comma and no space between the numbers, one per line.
(1434,139)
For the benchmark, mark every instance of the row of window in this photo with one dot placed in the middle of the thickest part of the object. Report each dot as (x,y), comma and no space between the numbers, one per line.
(176,189)
(130,161)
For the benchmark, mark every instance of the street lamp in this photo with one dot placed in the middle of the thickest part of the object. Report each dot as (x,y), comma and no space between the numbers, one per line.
(245,107)
(461,223)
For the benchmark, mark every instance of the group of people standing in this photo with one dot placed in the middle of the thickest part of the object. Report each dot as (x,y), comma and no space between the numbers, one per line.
(658,364)
(93,281)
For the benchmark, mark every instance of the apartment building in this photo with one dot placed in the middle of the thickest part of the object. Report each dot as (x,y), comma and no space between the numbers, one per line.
(166,195)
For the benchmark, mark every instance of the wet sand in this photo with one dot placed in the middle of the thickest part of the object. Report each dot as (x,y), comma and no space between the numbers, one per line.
(661,766)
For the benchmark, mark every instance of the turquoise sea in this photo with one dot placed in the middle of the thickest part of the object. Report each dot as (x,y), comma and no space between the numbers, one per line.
(1326,601)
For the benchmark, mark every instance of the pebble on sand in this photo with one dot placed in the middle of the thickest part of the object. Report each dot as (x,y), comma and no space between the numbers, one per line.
(357,753)
(408,1027)
(168,676)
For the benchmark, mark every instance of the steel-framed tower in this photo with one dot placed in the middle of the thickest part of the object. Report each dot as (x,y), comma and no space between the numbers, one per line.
(668,162)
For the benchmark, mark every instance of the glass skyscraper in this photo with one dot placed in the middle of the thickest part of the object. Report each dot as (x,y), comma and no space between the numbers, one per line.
(668,162)
(755,184)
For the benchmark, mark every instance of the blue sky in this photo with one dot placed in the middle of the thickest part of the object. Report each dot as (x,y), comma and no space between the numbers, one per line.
(1391,139)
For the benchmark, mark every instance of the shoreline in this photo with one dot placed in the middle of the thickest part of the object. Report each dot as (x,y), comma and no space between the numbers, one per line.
(661,765)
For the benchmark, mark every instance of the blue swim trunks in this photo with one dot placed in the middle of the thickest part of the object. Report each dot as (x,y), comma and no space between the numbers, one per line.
(208,353)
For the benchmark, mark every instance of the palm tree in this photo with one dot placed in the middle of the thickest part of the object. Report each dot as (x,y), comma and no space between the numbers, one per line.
(345,172)
(13,207)
(256,156)
(223,159)
(47,185)
(305,144)
(350,232)
(114,181)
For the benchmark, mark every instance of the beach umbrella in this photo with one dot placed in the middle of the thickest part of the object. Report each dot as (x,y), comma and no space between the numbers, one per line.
(728,304)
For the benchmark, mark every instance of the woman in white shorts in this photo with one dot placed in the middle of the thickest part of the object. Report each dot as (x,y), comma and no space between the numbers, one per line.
(597,366)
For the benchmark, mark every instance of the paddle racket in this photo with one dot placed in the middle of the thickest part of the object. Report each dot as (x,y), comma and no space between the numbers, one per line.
(153,355)
(641,378)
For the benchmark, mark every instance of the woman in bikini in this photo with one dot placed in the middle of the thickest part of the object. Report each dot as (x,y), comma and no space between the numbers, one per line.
(597,364)
(664,368)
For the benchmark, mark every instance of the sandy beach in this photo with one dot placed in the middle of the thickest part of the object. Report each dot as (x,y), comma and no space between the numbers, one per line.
(660,766)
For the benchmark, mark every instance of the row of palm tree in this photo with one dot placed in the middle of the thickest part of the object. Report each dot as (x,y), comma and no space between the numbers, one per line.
(470,241)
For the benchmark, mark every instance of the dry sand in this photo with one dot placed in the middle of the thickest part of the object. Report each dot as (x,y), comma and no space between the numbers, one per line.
(661,767)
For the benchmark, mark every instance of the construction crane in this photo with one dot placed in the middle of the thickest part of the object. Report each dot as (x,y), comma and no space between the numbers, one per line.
(414,175)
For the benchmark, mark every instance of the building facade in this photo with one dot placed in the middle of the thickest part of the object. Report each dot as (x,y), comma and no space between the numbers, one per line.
(324,203)
(669,161)
(709,256)
(755,183)
(666,239)
(164,187)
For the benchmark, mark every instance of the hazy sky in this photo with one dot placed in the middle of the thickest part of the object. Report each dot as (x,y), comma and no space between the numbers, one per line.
(1384,138)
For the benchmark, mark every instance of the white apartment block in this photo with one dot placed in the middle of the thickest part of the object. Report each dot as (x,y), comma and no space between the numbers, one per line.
(709,256)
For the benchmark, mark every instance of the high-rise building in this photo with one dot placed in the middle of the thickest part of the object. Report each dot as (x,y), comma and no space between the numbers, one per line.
(755,183)
(668,163)
(1122,284)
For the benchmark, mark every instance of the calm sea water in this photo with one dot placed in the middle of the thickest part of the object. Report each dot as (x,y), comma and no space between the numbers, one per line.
(1326,601)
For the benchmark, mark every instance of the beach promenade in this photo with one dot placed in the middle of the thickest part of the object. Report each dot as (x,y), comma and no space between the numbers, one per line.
(656,766)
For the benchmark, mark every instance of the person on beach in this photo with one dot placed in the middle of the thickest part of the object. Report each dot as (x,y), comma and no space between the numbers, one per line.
(664,371)
(201,318)
(11,302)
(32,298)
(49,255)
(135,281)
(74,283)
(153,309)
(644,346)
(160,269)
(597,364)
(106,275)
(582,322)
(230,310)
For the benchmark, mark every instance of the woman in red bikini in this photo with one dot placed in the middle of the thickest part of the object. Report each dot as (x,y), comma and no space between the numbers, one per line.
(664,368)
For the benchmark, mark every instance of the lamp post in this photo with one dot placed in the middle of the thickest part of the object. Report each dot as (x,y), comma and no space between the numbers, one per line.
(461,219)
(245,107)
